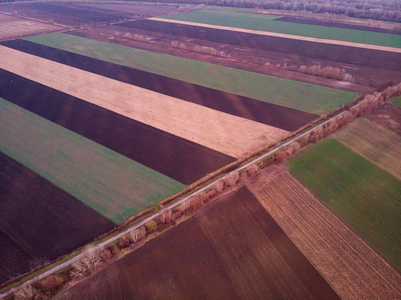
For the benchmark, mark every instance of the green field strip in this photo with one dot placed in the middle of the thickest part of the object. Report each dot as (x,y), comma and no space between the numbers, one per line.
(397,101)
(293,94)
(375,143)
(268,23)
(364,196)
(110,183)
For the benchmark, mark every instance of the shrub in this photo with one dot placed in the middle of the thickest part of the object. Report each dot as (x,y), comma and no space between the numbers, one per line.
(292,149)
(27,292)
(88,263)
(52,283)
(219,186)
(280,157)
(151,226)
(252,170)
(232,178)
(137,234)
(123,242)
(165,217)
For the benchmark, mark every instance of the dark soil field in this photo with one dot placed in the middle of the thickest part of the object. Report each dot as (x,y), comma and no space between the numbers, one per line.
(263,112)
(388,116)
(170,155)
(289,47)
(232,249)
(13,259)
(40,218)
(336,25)
(241,57)
(61,13)
(142,9)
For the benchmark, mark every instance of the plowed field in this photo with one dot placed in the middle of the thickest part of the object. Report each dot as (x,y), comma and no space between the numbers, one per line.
(232,135)
(351,267)
(363,195)
(110,183)
(232,249)
(375,143)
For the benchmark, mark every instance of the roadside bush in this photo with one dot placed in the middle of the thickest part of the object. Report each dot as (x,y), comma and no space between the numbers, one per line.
(292,149)
(137,234)
(219,186)
(280,157)
(124,241)
(232,178)
(252,170)
(51,283)
(165,217)
(28,292)
(87,265)
(151,226)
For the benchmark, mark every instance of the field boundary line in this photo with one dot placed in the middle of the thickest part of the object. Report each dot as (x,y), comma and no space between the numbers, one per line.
(283,35)
(160,212)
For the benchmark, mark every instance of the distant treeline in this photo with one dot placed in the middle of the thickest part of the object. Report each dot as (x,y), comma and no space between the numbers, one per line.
(384,10)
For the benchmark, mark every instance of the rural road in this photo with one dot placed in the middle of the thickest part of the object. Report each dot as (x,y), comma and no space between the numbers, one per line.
(116,237)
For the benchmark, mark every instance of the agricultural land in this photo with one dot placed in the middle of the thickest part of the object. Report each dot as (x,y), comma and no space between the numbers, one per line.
(111,112)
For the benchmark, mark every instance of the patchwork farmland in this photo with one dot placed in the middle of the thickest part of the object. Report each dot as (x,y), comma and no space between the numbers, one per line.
(106,110)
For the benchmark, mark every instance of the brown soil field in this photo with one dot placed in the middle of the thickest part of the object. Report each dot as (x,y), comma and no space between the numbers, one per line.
(40,218)
(336,25)
(16,27)
(232,135)
(59,13)
(142,9)
(13,259)
(375,143)
(364,64)
(282,35)
(241,57)
(244,107)
(351,267)
(388,116)
(180,159)
(232,249)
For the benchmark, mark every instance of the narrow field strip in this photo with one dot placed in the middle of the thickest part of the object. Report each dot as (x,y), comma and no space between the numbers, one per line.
(375,143)
(351,267)
(42,219)
(110,183)
(179,159)
(360,193)
(259,111)
(222,132)
(266,25)
(306,49)
(309,98)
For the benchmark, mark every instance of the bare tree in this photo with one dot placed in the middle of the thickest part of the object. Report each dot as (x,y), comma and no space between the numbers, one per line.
(27,292)
(88,264)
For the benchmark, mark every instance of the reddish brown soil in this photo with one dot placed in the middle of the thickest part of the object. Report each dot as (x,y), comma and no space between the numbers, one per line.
(336,25)
(230,250)
(41,218)
(180,159)
(388,116)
